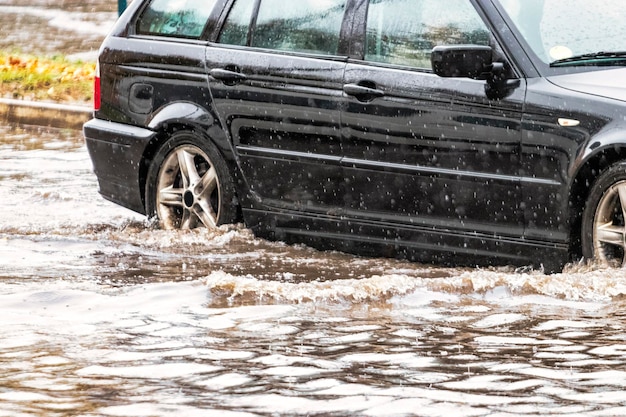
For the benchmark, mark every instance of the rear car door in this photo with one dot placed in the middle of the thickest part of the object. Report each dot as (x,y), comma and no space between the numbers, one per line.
(433,155)
(275,75)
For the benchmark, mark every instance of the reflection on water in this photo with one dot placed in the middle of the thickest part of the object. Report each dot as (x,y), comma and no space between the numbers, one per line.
(163,349)
(104,315)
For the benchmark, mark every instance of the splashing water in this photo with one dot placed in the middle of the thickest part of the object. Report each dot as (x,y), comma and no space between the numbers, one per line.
(105,315)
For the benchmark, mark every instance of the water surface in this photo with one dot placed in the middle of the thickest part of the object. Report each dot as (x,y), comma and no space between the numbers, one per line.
(105,315)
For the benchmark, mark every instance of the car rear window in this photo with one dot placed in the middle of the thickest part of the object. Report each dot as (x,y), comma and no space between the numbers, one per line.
(175,18)
(310,26)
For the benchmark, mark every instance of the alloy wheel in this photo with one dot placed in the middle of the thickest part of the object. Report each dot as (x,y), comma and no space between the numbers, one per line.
(188,190)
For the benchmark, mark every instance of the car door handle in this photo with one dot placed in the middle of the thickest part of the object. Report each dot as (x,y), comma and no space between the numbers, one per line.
(228,77)
(363,92)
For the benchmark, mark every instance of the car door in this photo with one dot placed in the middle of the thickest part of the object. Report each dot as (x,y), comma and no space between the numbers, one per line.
(428,153)
(275,75)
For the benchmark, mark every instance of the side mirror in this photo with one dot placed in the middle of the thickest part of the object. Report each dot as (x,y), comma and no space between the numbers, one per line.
(466,61)
(473,61)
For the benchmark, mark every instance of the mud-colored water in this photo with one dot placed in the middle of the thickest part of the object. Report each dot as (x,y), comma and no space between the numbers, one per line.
(68,27)
(102,314)
(105,315)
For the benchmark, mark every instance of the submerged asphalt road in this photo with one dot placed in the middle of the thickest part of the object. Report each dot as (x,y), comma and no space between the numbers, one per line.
(105,315)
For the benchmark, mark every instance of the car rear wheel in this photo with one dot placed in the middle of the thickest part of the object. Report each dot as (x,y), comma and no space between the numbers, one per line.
(189,185)
(604,218)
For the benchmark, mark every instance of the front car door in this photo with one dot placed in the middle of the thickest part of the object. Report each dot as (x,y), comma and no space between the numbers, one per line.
(432,159)
(275,73)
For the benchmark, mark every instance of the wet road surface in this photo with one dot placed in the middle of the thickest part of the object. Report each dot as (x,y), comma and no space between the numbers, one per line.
(48,27)
(102,314)
(105,315)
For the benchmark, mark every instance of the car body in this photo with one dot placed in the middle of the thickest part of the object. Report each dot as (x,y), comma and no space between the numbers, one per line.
(438,131)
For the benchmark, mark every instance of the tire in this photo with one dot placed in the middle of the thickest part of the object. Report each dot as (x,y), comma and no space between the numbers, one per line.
(604,218)
(189,185)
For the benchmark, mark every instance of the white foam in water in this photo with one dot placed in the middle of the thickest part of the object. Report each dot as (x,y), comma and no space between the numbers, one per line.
(499,320)
(613,350)
(340,290)
(511,341)
(289,405)
(565,324)
(166,324)
(407,360)
(147,409)
(159,371)
(225,381)
(594,288)
(222,323)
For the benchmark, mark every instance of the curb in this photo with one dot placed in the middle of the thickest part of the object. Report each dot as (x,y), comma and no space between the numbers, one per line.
(56,115)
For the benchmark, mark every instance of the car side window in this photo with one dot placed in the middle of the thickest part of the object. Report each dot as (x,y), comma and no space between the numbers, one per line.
(404,32)
(309,26)
(180,18)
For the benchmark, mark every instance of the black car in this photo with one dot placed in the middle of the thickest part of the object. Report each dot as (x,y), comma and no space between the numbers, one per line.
(456,131)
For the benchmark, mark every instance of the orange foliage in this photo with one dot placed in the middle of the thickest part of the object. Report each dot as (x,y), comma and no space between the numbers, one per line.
(55,79)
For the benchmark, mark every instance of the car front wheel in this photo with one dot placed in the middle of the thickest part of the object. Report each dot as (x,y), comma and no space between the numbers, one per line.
(189,185)
(604,225)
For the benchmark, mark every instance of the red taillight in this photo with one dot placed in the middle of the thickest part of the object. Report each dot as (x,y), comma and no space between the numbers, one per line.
(96,88)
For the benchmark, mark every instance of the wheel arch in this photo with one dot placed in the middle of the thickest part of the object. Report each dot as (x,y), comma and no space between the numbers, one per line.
(183,116)
(597,162)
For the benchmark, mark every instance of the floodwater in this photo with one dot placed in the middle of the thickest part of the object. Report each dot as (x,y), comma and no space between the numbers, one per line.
(102,314)
(51,27)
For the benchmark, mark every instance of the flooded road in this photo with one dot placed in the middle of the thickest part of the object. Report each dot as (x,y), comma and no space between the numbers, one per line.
(51,27)
(102,314)
(105,315)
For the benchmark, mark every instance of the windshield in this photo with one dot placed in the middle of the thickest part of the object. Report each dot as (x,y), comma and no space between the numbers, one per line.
(572,32)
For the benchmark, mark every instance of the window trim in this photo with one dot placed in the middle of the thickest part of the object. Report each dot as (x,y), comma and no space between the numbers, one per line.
(253,22)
